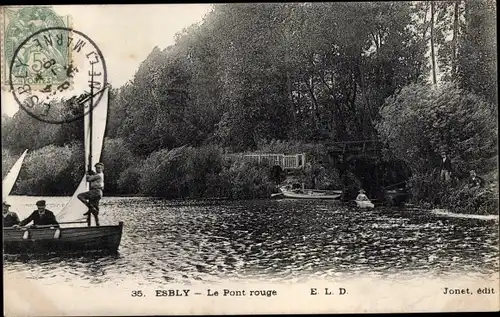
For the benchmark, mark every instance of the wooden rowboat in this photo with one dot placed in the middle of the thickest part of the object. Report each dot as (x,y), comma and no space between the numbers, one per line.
(364,204)
(310,193)
(47,239)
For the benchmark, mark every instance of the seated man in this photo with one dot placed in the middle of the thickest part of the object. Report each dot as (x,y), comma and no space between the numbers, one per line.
(10,218)
(362,196)
(41,216)
(475,181)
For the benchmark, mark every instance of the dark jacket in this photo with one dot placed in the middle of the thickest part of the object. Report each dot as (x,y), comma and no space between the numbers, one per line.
(446,165)
(11,219)
(48,218)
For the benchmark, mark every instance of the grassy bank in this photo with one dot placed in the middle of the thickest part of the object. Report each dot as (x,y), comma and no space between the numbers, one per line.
(457,196)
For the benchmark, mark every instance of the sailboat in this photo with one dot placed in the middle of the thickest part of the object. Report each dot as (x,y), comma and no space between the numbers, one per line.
(11,177)
(73,236)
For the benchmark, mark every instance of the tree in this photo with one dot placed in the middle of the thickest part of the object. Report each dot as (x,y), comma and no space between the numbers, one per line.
(421,121)
(477,51)
(433,55)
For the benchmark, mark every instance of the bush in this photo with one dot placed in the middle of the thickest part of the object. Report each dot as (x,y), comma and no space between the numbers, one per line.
(422,120)
(51,170)
(247,180)
(129,180)
(162,173)
(430,192)
(117,158)
(8,159)
(200,172)
(427,190)
(202,169)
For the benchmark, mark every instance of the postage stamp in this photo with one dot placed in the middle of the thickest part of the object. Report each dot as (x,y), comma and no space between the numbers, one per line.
(19,23)
(80,77)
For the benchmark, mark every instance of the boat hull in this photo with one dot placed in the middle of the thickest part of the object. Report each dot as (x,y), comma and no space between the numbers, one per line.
(67,240)
(311,194)
(364,204)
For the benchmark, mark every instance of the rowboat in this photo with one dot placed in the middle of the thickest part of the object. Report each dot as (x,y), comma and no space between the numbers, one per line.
(62,240)
(310,193)
(73,236)
(364,204)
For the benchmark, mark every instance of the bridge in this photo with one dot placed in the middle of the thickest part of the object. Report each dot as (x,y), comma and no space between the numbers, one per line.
(285,161)
(298,161)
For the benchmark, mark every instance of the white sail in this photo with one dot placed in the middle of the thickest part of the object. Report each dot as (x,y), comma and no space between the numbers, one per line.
(74,209)
(11,177)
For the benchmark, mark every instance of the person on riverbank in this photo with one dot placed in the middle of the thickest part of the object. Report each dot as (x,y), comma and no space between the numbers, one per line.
(41,216)
(446,169)
(92,197)
(10,218)
(475,181)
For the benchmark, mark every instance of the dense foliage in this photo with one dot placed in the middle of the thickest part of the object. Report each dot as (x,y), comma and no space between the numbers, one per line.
(289,78)
(421,121)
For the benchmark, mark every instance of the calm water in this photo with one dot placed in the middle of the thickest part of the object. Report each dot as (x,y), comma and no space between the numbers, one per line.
(276,240)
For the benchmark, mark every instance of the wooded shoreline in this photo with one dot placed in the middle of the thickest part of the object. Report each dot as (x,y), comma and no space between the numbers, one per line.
(292,78)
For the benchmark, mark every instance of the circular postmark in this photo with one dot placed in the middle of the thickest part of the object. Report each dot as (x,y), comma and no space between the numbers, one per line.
(54,87)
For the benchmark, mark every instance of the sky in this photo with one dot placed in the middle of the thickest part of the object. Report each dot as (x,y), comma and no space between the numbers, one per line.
(125,34)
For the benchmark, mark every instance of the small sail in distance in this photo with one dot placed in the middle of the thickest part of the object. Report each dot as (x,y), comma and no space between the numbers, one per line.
(11,177)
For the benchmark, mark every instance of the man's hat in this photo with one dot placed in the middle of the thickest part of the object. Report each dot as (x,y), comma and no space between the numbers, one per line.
(361,191)
(40,203)
(5,204)
(99,163)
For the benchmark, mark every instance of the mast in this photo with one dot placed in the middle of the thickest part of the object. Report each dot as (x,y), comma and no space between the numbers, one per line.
(91,108)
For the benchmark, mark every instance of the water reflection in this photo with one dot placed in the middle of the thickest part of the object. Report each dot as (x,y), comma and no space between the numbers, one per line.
(191,242)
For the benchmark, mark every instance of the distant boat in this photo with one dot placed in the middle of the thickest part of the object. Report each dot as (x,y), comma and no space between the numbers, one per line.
(309,193)
(364,204)
(74,238)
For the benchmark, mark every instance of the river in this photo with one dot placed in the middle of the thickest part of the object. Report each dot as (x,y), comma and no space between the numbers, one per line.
(274,240)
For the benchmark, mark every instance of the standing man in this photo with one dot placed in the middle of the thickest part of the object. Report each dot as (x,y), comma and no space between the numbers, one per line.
(9,218)
(92,197)
(445,174)
(41,216)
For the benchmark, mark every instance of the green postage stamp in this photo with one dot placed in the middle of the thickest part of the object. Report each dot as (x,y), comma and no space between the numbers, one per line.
(17,25)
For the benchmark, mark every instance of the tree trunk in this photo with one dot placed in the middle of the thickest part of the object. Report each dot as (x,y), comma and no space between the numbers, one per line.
(433,57)
(426,27)
(291,104)
(454,40)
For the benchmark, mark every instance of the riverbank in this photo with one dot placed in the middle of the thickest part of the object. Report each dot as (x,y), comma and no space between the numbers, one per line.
(208,173)
(447,213)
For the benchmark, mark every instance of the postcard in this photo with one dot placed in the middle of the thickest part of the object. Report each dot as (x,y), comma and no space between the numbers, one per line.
(273,158)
